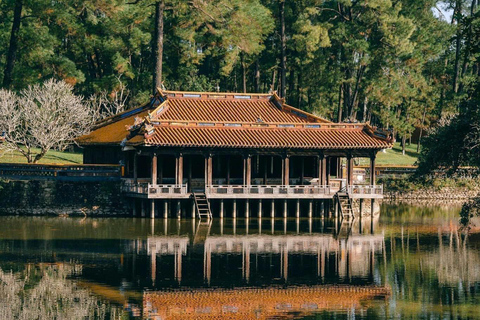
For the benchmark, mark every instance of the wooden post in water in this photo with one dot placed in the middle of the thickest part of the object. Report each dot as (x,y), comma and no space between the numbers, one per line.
(310,208)
(284,208)
(152,209)
(234,209)
(143,208)
(297,211)
(247,208)
(165,209)
(260,208)
(179,210)
(193,209)
(221,209)
(272,209)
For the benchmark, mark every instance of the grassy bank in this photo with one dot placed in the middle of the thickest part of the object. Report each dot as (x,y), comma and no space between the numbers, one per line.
(52,157)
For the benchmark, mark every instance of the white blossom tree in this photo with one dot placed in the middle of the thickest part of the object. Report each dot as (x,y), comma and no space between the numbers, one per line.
(42,117)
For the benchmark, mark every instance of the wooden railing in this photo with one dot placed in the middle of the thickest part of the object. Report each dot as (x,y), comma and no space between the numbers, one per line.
(267,190)
(155,190)
(60,172)
(365,190)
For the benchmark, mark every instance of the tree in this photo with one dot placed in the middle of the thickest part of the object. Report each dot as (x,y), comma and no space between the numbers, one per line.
(42,117)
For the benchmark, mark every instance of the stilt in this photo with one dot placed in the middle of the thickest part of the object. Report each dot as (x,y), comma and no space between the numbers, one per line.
(247,208)
(297,210)
(372,210)
(134,208)
(310,208)
(260,208)
(234,209)
(152,209)
(284,208)
(272,209)
(179,210)
(361,208)
(221,209)
(143,208)
(165,209)
(193,209)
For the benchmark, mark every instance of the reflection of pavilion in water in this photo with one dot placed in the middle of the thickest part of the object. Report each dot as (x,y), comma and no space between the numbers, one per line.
(343,256)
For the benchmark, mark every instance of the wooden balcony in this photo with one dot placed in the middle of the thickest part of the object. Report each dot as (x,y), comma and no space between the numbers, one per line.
(157,191)
(174,191)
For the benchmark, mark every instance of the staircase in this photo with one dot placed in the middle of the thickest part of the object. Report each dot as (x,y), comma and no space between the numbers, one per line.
(203,206)
(345,203)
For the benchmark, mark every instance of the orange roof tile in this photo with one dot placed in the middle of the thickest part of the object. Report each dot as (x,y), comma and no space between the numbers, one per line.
(259,137)
(231,120)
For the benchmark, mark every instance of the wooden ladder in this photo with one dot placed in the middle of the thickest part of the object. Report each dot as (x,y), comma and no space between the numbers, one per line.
(202,205)
(345,203)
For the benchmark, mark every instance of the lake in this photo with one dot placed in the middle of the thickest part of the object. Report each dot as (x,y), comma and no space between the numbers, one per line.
(413,261)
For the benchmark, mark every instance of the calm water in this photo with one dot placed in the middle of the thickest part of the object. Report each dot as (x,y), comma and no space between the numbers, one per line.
(412,262)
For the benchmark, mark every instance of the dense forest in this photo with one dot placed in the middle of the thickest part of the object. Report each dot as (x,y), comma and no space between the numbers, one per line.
(400,64)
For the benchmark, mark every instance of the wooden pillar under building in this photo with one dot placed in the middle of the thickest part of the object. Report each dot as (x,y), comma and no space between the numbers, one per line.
(154,169)
(361,208)
(134,201)
(152,209)
(272,209)
(165,209)
(247,208)
(297,209)
(259,208)
(310,208)
(193,209)
(372,169)
(143,207)
(285,213)
(221,209)
(234,209)
(179,209)
(349,170)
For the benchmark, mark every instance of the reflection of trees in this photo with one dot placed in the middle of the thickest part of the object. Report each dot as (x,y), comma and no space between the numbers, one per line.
(44,292)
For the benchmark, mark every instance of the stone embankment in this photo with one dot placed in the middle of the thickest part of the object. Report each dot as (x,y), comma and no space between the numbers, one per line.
(60,198)
(458,194)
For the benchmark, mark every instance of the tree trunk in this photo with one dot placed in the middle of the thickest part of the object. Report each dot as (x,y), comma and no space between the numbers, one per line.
(12,49)
(403,144)
(158,45)
(339,115)
(283,56)
(457,14)
(244,73)
(257,76)
(421,130)
(467,45)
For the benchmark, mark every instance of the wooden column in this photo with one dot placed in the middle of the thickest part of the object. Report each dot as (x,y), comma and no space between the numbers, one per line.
(208,170)
(297,211)
(349,170)
(179,169)
(322,169)
(165,209)
(135,167)
(247,170)
(160,170)
(372,169)
(154,169)
(284,208)
(234,209)
(221,208)
(272,209)
(286,170)
(228,170)
(190,175)
(259,208)
(327,171)
(247,208)
(310,208)
(265,169)
(302,169)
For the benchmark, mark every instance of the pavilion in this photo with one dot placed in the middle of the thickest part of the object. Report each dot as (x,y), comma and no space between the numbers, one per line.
(234,149)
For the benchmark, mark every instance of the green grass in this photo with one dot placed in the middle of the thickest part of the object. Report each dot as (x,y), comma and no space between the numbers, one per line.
(52,157)
(395,157)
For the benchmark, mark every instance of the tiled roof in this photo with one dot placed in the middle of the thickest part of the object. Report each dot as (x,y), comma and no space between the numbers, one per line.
(260,137)
(230,120)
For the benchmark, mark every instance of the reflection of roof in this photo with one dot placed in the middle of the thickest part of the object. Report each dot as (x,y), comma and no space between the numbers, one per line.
(256,303)
(232,120)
